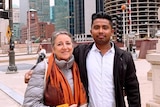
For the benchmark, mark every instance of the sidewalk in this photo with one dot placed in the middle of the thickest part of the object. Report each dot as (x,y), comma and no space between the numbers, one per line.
(12,94)
(20,57)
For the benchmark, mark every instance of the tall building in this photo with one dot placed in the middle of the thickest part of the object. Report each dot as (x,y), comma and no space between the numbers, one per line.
(141,16)
(43,9)
(83,12)
(61,14)
(71,17)
(75,15)
(99,5)
(64,15)
(24,7)
(16,23)
(4,27)
(35,30)
(52,15)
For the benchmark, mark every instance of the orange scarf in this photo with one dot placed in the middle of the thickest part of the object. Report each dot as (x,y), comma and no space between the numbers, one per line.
(60,88)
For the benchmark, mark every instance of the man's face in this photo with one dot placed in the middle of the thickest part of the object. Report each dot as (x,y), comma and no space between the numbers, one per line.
(101,31)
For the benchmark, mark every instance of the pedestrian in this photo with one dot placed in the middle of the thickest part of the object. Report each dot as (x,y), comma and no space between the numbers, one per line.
(107,71)
(41,53)
(59,83)
(41,56)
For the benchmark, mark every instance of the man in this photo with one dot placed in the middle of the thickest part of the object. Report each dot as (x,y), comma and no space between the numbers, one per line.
(105,69)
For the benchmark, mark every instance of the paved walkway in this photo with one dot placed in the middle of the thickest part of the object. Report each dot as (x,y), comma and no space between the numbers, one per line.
(12,86)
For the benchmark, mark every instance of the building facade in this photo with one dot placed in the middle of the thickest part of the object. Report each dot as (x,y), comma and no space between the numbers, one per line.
(61,14)
(52,15)
(4,26)
(35,18)
(99,5)
(71,17)
(141,16)
(43,9)
(77,15)
(36,31)
(24,7)
(82,17)
(16,24)
(3,29)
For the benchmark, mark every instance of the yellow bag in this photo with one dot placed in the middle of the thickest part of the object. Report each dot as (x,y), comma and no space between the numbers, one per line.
(63,105)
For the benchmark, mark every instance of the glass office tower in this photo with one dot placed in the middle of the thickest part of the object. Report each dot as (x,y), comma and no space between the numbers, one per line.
(43,9)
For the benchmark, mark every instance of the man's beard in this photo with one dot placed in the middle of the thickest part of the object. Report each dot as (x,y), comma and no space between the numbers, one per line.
(101,42)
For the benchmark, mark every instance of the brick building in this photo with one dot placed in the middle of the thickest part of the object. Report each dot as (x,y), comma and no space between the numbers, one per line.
(35,30)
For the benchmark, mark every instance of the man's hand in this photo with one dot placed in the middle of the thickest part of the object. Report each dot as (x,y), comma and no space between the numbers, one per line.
(27,76)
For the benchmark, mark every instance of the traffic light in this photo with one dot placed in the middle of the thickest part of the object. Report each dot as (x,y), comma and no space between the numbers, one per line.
(2,4)
(119,28)
(4,14)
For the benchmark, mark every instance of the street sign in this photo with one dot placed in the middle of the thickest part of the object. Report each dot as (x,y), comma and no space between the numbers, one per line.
(8,33)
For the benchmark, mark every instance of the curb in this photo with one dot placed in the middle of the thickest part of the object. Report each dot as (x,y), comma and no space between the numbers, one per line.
(21,57)
(11,93)
(18,59)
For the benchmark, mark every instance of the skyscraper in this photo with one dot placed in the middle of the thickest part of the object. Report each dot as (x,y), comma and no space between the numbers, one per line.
(40,29)
(43,9)
(24,7)
(83,12)
(142,18)
(16,23)
(75,15)
(61,14)
(52,15)
(41,6)
(99,5)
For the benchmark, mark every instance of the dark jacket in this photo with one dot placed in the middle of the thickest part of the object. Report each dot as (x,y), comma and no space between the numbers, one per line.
(124,74)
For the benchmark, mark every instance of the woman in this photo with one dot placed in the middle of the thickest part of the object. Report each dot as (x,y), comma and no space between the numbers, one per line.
(62,80)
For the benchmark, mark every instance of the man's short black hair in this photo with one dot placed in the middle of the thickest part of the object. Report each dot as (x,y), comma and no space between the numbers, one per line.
(101,15)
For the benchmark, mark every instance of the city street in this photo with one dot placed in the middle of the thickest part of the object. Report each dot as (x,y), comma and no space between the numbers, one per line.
(12,86)
(25,25)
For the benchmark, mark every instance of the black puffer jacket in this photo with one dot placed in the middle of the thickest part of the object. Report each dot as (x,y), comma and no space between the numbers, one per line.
(124,75)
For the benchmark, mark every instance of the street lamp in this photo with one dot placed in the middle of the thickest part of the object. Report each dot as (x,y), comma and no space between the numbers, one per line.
(29,42)
(123,7)
(12,67)
(28,33)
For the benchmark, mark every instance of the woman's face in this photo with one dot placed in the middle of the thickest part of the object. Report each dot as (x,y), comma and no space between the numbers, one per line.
(40,46)
(63,47)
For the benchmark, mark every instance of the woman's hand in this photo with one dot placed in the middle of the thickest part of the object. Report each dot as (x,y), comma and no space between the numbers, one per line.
(27,76)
